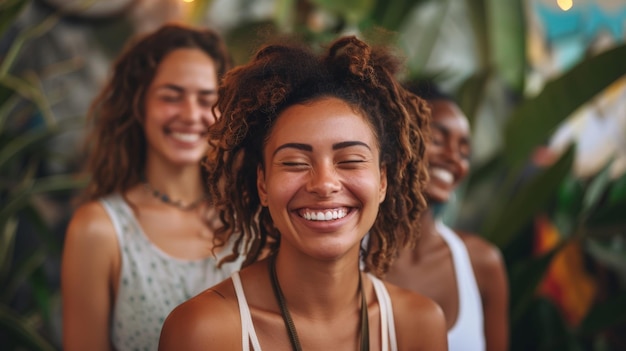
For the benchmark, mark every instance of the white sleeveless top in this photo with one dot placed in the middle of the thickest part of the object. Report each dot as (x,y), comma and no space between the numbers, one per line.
(151,282)
(467,333)
(388,328)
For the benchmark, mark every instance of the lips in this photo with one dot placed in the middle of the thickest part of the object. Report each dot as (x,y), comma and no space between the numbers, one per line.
(329,214)
(442,175)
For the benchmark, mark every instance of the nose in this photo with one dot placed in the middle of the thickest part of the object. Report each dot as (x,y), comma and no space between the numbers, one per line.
(191,110)
(324,180)
(452,151)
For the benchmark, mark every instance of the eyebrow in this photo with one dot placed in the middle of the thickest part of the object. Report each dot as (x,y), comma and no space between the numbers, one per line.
(442,128)
(180,89)
(309,148)
(345,144)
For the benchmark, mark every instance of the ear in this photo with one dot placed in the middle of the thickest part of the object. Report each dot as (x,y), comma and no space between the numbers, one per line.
(382,191)
(260,185)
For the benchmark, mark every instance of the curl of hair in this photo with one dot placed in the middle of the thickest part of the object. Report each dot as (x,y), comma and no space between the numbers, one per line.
(253,96)
(116,142)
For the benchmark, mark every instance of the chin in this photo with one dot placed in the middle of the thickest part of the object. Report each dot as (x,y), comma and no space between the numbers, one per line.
(437,197)
(188,158)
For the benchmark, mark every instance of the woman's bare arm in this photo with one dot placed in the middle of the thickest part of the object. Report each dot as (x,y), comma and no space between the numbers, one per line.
(491,277)
(89,255)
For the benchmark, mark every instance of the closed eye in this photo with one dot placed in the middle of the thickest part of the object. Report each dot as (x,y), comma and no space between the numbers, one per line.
(170,98)
(351,164)
(295,165)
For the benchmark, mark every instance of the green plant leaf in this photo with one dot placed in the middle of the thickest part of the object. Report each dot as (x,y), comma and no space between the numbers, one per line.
(392,14)
(23,37)
(604,315)
(525,278)
(35,138)
(42,291)
(506,221)
(507,38)
(284,14)
(477,11)
(21,197)
(31,90)
(44,233)
(610,252)
(22,272)
(7,241)
(607,219)
(429,34)
(9,10)
(239,43)
(472,93)
(24,142)
(553,333)
(597,187)
(618,190)
(9,101)
(568,207)
(353,11)
(570,196)
(20,332)
(534,120)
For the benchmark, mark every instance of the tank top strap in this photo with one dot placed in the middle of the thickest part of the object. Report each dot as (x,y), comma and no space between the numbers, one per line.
(388,328)
(467,333)
(248,334)
(120,214)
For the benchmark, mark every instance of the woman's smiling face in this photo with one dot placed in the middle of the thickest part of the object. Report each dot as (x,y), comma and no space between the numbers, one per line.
(322,181)
(448,151)
(178,106)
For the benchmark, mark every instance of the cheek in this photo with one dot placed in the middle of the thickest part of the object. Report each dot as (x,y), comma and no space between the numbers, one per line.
(211,117)
(365,187)
(465,168)
(431,151)
(160,110)
(282,187)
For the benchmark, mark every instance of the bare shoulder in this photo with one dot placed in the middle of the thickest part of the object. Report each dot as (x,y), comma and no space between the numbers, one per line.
(208,321)
(92,223)
(486,257)
(90,231)
(420,322)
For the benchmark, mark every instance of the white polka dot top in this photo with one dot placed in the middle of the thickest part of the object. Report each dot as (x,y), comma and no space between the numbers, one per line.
(151,282)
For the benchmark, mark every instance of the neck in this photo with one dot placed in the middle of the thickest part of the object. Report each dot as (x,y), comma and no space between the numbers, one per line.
(318,289)
(428,232)
(182,184)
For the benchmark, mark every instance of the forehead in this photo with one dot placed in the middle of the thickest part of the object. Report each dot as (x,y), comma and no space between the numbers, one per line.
(323,121)
(449,114)
(187,66)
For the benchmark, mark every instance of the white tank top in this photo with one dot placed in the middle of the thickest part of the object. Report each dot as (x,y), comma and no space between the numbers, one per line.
(388,329)
(467,333)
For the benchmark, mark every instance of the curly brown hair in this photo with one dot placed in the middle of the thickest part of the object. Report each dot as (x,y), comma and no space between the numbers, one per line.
(116,142)
(252,97)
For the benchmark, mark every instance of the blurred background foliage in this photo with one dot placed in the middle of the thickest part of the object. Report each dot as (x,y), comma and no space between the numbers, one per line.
(561,229)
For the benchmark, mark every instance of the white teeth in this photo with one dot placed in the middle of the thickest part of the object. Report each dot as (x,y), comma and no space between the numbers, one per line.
(186,137)
(325,216)
(442,175)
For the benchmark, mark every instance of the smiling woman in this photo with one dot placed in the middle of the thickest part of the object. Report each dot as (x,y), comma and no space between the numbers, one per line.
(462,272)
(306,159)
(142,242)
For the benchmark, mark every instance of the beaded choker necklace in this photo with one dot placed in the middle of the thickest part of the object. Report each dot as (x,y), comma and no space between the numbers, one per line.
(176,203)
(291,328)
